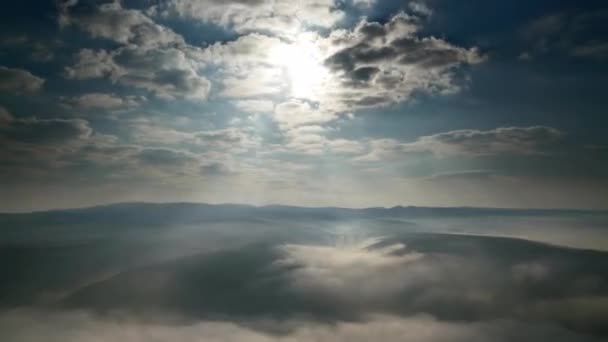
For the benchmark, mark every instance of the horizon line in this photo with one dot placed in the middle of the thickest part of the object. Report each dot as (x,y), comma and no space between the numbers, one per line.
(260,206)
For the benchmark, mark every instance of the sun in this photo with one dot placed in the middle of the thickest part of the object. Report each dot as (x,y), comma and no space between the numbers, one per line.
(302,62)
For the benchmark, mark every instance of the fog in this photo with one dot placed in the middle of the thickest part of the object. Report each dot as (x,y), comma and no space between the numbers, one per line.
(188,272)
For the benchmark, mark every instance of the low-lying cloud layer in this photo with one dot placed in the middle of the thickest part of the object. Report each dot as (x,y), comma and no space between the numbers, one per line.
(232,273)
(28,326)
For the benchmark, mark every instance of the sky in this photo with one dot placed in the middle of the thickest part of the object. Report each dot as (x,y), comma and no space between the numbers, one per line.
(351,103)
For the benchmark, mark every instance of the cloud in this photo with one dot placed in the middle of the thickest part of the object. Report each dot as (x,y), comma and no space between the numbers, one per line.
(420,7)
(353,271)
(151,56)
(69,149)
(162,157)
(19,80)
(248,66)
(45,131)
(126,26)
(103,101)
(255,106)
(227,139)
(372,65)
(91,64)
(86,327)
(593,50)
(280,16)
(532,140)
(462,175)
(168,73)
(378,64)
(296,113)
(489,288)
(39,50)
(5,116)
(513,140)
(571,34)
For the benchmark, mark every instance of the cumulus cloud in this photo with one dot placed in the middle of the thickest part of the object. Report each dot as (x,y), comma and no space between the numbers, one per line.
(19,80)
(103,101)
(531,140)
(372,65)
(65,147)
(420,7)
(45,131)
(168,73)
(380,64)
(127,26)
(248,67)
(296,113)
(152,57)
(260,15)
(91,64)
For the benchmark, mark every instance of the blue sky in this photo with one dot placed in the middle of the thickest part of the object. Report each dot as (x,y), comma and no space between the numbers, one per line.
(319,102)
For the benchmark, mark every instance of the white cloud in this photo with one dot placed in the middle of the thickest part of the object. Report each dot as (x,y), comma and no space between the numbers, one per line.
(232,140)
(279,16)
(169,73)
(360,271)
(247,66)
(420,7)
(91,64)
(127,26)
(379,64)
(255,106)
(295,113)
(81,326)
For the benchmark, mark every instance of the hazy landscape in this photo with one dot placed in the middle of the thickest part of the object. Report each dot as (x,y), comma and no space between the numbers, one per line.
(197,272)
(303,171)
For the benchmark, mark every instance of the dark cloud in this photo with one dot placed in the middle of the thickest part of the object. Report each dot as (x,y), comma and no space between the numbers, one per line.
(396,41)
(19,80)
(45,131)
(164,157)
(580,35)
(364,74)
(517,140)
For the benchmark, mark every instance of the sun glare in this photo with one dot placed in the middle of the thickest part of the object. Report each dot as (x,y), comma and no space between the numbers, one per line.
(302,62)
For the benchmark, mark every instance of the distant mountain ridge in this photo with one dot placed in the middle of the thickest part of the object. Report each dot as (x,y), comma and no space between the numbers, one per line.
(189,212)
